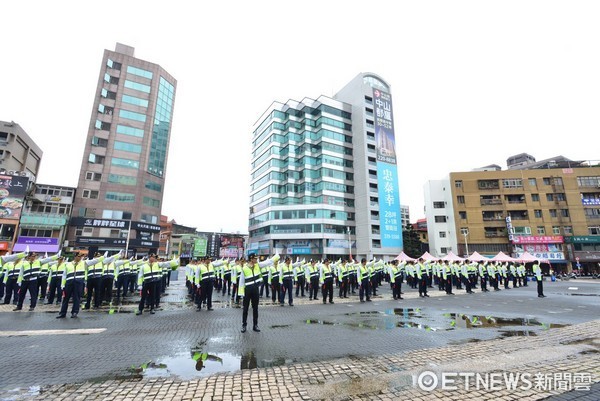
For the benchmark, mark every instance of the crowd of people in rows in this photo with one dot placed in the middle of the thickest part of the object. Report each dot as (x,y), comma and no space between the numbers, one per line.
(56,279)
(281,278)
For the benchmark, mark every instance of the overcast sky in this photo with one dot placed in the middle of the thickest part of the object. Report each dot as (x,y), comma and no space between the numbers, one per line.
(473,82)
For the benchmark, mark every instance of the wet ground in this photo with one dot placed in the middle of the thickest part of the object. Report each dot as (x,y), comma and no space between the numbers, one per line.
(181,343)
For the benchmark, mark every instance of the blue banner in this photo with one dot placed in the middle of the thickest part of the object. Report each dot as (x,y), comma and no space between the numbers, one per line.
(387,172)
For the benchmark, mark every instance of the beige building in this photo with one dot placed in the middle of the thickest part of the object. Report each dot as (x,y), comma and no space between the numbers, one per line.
(549,208)
(18,152)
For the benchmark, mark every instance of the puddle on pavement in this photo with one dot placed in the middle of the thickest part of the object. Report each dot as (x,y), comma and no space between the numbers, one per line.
(21,393)
(323,322)
(459,320)
(280,326)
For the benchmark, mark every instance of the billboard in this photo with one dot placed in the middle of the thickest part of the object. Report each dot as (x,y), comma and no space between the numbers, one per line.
(231,247)
(12,193)
(36,244)
(200,245)
(387,172)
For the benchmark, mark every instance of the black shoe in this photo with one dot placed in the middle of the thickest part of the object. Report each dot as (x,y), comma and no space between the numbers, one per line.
(331,302)
(61,316)
(291,304)
(16,309)
(73,315)
(426,295)
(152,311)
(210,309)
(316,299)
(362,300)
(400,298)
(138,313)
(255,328)
(368,300)
(243,329)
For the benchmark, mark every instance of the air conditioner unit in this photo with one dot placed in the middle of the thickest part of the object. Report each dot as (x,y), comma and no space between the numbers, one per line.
(10,172)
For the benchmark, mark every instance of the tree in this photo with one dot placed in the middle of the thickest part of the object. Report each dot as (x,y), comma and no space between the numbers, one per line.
(412,243)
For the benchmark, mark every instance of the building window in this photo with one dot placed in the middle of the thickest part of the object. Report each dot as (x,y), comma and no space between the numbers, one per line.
(564,212)
(162,126)
(535,197)
(91,176)
(153,186)
(128,147)
(151,202)
(122,179)
(556,230)
(532,182)
(136,101)
(593,181)
(464,231)
(92,158)
(100,142)
(553,213)
(113,64)
(439,205)
(541,230)
(132,115)
(137,86)
(148,218)
(595,230)
(549,197)
(101,125)
(442,234)
(120,197)
(88,193)
(560,197)
(537,213)
(116,214)
(512,183)
(125,130)
(462,215)
(440,219)
(444,250)
(139,72)
(547,181)
(115,161)
(458,184)
(568,230)
(105,109)
(108,94)
(460,199)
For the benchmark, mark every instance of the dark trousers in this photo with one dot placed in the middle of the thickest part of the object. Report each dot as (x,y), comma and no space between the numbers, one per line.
(300,285)
(251,296)
(148,293)
(163,283)
(132,283)
(32,287)
(287,286)
(514,280)
(42,286)
(2,286)
(12,289)
(235,290)
(364,289)
(449,284)
(122,282)
(467,284)
(397,288)
(525,281)
(313,291)
(276,291)
(344,287)
(328,290)
(55,290)
(353,283)
(206,291)
(264,286)
(169,277)
(423,285)
(374,281)
(93,286)
(540,288)
(484,283)
(227,283)
(107,287)
(73,288)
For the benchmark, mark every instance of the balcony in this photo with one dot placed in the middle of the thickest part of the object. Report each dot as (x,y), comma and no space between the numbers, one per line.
(495,235)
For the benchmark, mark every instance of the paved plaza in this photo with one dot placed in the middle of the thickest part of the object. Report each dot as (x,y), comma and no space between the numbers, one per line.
(382,350)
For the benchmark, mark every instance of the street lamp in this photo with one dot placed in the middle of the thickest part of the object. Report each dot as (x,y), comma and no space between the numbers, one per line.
(349,242)
(465,232)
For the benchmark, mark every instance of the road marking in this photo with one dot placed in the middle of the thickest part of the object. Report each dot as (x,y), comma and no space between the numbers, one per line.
(573,288)
(49,332)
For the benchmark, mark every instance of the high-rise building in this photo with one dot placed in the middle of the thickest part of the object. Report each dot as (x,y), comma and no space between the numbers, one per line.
(549,208)
(18,152)
(120,187)
(324,179)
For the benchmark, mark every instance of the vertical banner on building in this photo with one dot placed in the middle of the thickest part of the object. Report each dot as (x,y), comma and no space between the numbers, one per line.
(200,246)
(12,193)
(387,172)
